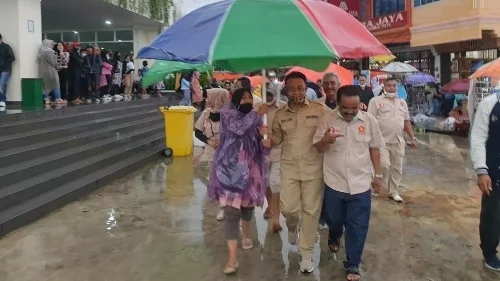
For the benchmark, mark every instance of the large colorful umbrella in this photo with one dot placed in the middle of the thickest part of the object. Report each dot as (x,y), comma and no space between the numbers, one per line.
(246,35)
(160,69)
(456,86)
(345,76)
(420,78)
(256,80)
(224,75)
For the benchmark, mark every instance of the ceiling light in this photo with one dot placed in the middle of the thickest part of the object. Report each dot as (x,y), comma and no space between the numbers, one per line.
(107,22)
(75,32)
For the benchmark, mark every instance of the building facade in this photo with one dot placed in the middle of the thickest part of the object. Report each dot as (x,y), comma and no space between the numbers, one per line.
(117,25)
(464,34)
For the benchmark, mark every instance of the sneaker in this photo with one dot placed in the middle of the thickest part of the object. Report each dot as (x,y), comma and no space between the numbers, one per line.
(89,101)
(97,101)
(220,215)
(117,97)
(396,197)
(2,104)
(293,236)
(306,266)
(492,263)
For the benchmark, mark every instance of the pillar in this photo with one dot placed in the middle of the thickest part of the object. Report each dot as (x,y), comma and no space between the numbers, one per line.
(24,38)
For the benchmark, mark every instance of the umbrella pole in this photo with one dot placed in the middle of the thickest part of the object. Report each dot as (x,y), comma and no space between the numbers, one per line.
(264,94)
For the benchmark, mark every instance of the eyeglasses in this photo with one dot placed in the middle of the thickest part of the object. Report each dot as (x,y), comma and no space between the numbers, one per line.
(295,90)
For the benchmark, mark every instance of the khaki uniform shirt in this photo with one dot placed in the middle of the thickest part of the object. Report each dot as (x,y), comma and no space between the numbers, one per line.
(391,115)
(295,131)
(347,165)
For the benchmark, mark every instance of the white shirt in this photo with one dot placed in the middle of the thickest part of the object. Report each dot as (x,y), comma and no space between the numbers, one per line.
(130,66)
(480,129)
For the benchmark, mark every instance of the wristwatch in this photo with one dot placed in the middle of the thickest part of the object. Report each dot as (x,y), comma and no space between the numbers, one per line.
(377,176)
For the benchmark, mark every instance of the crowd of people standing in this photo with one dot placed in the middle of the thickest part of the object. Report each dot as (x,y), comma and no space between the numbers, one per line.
(74,75)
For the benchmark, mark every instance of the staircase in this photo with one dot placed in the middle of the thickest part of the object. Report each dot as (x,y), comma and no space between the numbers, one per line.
(49,158)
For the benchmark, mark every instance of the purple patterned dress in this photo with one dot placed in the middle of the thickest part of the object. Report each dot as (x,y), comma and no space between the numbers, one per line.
(239,174)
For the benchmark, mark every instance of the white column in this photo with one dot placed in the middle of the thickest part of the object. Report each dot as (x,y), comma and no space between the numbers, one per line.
(15,16)
(142,38)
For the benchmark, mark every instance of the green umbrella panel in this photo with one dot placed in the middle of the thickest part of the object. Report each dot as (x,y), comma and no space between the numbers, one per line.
(160,69)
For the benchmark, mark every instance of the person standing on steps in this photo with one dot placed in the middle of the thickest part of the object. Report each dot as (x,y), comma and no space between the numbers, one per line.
(350,140)
(301,196)
(393,119)
(7,57)
(485,155)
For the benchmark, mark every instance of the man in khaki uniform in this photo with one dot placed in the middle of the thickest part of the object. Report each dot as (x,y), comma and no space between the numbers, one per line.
(351,142)
(301,166)
(393,118)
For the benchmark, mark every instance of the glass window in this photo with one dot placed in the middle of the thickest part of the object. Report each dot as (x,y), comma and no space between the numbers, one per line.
(386,7)
(125,35)
(417,3)
(105,36)
(70,36)
(87,36)
(54,36)
(123,47)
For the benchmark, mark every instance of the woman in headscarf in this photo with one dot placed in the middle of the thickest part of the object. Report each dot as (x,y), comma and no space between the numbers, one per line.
(239,172)
(49,68)
(197,95)
(207,125)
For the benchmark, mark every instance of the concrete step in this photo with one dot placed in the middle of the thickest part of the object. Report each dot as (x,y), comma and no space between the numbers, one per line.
(19,192)
(25,153)
(12,128)
(49,133)
(39,165)
(58,196)
(70,110)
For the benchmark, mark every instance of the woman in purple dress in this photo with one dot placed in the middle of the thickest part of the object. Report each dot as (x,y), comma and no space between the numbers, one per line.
(239,174)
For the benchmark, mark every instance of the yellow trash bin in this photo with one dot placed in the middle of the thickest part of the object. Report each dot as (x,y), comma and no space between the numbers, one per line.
(179,124)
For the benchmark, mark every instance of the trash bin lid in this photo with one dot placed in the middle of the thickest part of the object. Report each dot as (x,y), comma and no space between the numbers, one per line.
(178,109)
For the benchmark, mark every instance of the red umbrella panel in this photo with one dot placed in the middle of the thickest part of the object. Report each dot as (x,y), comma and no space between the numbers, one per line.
(456,86)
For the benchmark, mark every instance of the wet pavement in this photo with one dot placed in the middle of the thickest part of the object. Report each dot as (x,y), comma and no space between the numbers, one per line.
(156,224)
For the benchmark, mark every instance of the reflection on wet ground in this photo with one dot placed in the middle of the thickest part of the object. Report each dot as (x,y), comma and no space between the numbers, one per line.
(156,224)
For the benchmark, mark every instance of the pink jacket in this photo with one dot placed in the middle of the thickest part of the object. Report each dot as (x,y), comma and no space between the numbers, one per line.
(105,70)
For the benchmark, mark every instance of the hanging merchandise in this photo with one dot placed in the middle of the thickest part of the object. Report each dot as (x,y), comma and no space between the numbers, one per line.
(482,89)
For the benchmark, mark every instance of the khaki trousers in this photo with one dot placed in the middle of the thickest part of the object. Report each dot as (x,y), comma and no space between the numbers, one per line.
(392,156)
(300,204)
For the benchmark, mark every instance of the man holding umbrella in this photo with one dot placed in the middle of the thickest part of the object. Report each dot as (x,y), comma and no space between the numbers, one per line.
(301,166)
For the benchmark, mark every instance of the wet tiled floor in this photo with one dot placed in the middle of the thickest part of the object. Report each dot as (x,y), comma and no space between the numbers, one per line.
(156,224)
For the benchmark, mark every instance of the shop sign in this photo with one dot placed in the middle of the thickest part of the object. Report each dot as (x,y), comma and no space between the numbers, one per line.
(387,22)
(350,6)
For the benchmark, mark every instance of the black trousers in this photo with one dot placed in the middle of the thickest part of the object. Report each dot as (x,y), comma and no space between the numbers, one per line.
(75,75)
(489,224)
(63,83)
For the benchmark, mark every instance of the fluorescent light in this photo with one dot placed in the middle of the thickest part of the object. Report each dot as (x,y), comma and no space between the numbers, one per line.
(119,40)
(75,32)
(107,22)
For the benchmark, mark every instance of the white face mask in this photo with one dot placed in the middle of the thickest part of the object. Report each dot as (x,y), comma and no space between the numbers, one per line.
(391,95)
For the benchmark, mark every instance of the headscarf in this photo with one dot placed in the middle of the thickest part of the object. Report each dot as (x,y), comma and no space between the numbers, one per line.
(218,98)
(45,47)
(196,74)
(238,95)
